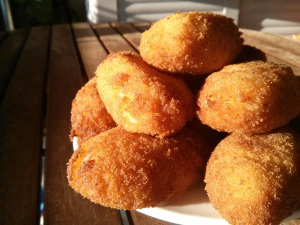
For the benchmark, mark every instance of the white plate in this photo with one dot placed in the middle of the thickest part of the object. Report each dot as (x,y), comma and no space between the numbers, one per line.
(192,208)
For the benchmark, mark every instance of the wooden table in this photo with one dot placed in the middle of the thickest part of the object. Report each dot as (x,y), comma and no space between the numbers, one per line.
(41,69)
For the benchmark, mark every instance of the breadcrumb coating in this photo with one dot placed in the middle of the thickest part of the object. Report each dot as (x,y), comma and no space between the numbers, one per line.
(126,170)
(191,43)
(142,99)
(89,116)
(255,179)
(250,97)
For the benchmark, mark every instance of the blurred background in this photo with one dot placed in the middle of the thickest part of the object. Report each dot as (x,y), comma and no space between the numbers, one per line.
(273,16)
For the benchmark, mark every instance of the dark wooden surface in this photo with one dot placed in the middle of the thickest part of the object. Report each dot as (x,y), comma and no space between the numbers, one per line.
(10,51)
(21,118)
(41,69)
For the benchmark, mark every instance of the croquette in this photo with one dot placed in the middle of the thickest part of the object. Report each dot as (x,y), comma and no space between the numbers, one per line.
(142,99)
(129,171)
(89,116)
(255,179)
(193,43)
(250,97)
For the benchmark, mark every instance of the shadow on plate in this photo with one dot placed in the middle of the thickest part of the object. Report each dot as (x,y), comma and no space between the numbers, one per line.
(194,195)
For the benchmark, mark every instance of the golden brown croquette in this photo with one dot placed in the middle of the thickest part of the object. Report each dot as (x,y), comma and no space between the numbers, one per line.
(191,43)
(250,97)
(255,179)
(89,116)
(142,99)
(126,170)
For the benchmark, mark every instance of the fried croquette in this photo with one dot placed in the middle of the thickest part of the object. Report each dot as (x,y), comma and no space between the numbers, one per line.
(89,116)
(250,97)
(191,43)
(126,170)
(255,179)
(142,99)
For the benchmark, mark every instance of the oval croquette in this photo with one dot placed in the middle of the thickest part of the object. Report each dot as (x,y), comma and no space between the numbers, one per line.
(142,99)
(255,179)
(89,116)
(250,97)
(191,43)
(126,170)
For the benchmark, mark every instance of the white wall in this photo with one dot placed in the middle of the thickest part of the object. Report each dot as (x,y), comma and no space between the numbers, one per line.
(273,16)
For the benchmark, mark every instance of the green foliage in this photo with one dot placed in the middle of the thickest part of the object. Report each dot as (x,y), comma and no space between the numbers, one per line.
(39,11)
(27,13)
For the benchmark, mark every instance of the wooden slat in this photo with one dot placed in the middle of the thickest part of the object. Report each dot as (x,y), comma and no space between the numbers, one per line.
(21,116)
(142,26)
(62,204)
(295,69)
(142,219)
(276,51)
(293,222)
(92,53)
(273,39)
(111,39)
(283,49)
(130,33)
(10,49)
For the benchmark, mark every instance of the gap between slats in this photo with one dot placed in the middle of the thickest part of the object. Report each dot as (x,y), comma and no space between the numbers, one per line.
(11,48)
(21,126)
(65,79)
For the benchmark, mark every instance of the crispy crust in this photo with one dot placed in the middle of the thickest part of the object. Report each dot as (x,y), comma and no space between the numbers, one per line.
(251,97)
(255,179)
(89,116)
(191,43)
(141,99)
(123,170)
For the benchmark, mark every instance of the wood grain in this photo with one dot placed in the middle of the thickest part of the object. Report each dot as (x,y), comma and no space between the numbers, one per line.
(91,51)
(279,41)
(62,204)
(293,222)
(10,50)
(142,26)
(278,49)
(111,39)
(130,33)
(21,118)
